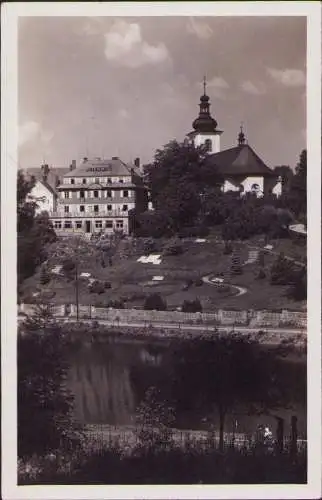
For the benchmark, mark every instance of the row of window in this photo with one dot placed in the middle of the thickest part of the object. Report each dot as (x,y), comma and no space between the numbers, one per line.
(78,224)
(97,180)
(96,208)
(95,194)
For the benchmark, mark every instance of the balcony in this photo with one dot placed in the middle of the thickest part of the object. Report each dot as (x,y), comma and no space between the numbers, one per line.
(87,215)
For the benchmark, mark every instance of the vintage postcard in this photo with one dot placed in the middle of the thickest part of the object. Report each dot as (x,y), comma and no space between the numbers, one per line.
(161,250)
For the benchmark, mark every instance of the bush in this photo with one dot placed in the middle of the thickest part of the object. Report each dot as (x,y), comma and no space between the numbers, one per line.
(149,246)
(107,285)
(155,302)
(116,304)
(261,274)
(97,287)
(236,267)
(198,282)
(194,232)
(44,276)
(228,248)
(281,271)
(68,265)
(187,284)
(173,247)
(191,306)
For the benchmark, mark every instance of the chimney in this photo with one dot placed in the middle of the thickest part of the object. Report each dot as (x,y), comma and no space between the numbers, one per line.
(137,162)
(72,166)
(45,171)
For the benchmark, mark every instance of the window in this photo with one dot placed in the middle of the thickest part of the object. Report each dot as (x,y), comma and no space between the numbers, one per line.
(109,208)
(119,224)
(78,224)
(66,209)
(208,145)
(84,181)
(72,181)
(98,224)
(82,193)
(68,224)
(109,180)
(109,193)
(57,224)
(97,181)
(96,208)
(66,194)
(95,194)
(255,187)
(124,208)
(121,181)
(82,208)
(109,224)
(125,194)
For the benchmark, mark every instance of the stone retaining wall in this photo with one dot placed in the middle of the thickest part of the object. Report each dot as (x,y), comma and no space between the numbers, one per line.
(253,319)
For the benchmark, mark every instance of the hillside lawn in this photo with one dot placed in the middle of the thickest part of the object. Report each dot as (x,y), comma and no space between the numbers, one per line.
(131,281)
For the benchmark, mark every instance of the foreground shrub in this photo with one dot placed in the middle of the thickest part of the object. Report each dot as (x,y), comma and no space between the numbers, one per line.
(97,287)
(173,247)
(155,302)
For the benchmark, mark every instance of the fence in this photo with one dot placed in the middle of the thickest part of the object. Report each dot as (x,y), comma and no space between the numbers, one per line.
(103,437)
(253,319)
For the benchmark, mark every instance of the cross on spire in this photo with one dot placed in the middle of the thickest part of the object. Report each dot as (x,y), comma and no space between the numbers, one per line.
(204,85)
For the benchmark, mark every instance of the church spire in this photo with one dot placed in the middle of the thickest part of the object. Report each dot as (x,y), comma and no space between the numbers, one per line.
(241,136)
(204,122)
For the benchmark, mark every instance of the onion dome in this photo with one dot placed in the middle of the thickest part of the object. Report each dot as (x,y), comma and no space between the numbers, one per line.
(204,122)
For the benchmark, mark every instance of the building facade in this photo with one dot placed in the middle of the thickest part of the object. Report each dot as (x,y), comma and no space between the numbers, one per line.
(97,197)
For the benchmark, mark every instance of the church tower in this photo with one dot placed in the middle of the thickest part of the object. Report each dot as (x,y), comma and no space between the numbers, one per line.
(205,127)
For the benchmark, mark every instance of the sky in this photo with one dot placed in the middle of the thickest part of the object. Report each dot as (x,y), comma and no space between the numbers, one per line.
(105,86)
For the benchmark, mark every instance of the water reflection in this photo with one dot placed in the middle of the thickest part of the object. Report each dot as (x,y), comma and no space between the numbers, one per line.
(109,380)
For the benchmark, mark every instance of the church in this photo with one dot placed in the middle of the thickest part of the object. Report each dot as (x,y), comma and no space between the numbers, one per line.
(241,168)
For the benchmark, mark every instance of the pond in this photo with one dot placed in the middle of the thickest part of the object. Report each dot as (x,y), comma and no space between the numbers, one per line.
(109,379)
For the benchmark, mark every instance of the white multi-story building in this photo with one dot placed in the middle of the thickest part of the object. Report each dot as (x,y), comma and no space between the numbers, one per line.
(97,196)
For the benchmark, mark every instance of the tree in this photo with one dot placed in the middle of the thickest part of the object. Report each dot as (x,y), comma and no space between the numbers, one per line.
(155,302)
(226,371)
(286,173)
(192,306)
(34,232)
(281,271)
(45,421)
(176,179)
(236,267)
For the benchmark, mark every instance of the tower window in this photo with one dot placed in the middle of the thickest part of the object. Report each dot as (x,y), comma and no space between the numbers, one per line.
(208,145)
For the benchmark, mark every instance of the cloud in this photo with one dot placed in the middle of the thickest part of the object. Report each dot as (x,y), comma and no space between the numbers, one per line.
(123,114)
(253,89)
(125,46)
(199,28)
(288,77)
(30,131)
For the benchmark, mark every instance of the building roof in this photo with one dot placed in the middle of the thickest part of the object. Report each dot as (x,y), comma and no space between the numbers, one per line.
(53,175)
(100,168)
(240,160)
(47,186)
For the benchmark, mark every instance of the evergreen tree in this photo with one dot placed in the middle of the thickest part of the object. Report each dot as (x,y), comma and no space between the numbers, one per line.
(236,267)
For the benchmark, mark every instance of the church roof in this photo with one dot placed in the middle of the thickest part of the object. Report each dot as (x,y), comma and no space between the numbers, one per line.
(240,160)
(100,168)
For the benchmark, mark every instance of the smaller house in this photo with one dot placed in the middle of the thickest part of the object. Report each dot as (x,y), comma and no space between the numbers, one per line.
(44,195)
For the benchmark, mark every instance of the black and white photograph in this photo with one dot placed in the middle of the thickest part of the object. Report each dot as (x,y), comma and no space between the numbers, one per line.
(163,317)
